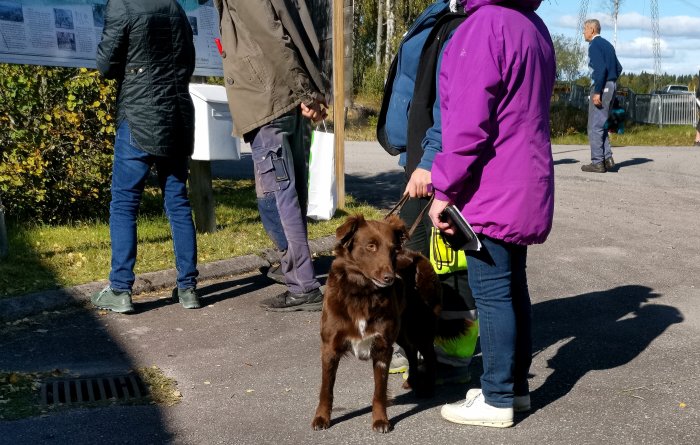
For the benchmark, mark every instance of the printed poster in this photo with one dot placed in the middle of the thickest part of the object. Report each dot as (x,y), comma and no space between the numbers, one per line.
(67,32)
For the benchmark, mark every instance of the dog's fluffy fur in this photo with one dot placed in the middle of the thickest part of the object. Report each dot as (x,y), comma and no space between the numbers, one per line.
(377,294)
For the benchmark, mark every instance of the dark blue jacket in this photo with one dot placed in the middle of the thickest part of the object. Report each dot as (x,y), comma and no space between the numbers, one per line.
(603,61)
(392,127)
(148,48)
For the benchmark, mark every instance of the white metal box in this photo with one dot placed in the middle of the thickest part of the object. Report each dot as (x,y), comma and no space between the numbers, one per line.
(213,126)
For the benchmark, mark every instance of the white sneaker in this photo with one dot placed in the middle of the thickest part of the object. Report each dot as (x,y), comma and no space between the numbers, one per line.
(475,411)
(521,404)
(399,362)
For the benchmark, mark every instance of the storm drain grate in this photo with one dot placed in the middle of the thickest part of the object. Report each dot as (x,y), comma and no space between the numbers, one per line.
(126,387)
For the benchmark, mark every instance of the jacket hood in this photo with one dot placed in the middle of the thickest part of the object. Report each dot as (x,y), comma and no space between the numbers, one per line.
(472,5)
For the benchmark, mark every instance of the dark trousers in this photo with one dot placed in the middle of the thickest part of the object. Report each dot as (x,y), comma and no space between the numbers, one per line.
(280,151)
(597,117)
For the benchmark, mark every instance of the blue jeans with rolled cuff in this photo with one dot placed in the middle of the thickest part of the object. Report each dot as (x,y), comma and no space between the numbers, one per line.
(280,151)
(498,281)
(129,173)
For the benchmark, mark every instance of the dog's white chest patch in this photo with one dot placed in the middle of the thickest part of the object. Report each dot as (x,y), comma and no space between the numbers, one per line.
(362,347)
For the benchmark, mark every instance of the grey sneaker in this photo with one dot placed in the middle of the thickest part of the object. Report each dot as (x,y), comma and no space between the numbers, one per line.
(113,300)
(609,163)
(399,362)
(288,302)
(188,298)
(594,168)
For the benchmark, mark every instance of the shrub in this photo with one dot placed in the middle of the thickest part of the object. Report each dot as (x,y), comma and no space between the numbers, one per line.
(56,139)
(566,120)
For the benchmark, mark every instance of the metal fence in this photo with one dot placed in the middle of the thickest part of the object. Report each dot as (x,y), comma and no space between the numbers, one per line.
(658,109)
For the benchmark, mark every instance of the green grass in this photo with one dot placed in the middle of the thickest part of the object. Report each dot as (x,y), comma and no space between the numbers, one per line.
(45,257)
(644,135)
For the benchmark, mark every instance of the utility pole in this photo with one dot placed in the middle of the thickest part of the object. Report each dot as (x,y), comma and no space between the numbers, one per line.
(339,96)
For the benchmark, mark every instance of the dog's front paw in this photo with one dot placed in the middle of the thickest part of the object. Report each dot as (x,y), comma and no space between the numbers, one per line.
(381,426)
(320,423)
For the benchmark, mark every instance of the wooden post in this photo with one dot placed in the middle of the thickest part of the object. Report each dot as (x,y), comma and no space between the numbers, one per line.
(202,196)
(4,244)
(201,192)
(339,96)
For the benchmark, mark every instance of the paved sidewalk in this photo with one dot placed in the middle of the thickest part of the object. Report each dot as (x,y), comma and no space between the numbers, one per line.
(615,295)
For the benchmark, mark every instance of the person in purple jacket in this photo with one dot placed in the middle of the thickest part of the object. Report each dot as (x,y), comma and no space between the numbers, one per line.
(496,166)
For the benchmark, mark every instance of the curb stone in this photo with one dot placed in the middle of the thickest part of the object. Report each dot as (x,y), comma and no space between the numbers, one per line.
(21,306)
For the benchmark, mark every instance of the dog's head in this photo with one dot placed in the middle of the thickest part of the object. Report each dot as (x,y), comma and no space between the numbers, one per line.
(371,246)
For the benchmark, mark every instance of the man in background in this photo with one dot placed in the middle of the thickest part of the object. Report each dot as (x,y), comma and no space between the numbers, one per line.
(147,47)
(605,69)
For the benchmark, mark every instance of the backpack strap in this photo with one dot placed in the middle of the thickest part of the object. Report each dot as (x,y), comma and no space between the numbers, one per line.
(420,115)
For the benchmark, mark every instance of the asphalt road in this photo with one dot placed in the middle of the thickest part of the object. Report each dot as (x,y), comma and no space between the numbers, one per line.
(615,294)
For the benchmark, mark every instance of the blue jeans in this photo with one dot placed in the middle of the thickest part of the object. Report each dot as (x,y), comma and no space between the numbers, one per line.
(129,173)
(280,151)
(597,117)
(498,282)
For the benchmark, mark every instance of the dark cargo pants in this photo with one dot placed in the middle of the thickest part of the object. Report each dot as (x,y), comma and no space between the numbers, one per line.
(280,151)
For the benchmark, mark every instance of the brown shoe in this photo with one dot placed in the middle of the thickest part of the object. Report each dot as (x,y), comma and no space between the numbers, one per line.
(609,163)
(594,168)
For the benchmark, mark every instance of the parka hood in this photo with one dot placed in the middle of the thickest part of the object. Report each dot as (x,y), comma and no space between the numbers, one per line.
(472,5)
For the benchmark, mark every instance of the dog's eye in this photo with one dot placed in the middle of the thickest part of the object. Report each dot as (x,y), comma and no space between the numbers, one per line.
(372,247)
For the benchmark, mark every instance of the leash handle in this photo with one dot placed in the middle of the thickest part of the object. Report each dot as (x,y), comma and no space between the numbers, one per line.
(399,206)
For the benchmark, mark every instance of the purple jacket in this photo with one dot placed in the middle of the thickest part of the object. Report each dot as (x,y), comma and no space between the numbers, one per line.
(496,82)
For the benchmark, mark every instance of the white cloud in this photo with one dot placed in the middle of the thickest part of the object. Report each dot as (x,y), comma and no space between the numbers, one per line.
(680,40)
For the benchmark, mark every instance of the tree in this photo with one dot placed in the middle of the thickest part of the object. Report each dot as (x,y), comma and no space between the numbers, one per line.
(569,57)
(380,33)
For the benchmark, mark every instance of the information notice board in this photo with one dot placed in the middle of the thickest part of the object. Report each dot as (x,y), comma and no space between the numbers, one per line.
(67,32)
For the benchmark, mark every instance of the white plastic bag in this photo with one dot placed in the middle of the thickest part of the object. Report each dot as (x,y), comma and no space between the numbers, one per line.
(323,200)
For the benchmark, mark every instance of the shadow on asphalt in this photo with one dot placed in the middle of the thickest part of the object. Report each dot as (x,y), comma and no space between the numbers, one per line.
(566,161)
(595,331)
(630,163)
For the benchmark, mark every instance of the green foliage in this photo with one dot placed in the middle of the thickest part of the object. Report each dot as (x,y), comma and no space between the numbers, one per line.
(566,120)
(569,56)
(365,37)
(56,136)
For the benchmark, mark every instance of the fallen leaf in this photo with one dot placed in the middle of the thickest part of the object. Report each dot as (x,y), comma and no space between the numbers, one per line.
(249,390)
(207,382)
(682,405)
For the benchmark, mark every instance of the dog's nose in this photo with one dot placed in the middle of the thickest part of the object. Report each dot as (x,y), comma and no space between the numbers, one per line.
(388,278)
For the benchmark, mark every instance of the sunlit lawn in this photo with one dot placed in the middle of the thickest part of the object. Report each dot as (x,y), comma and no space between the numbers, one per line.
(45,257)
(640,135)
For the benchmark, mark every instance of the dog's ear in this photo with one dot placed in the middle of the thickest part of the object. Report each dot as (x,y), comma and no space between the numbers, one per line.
(399,227)
(347,230)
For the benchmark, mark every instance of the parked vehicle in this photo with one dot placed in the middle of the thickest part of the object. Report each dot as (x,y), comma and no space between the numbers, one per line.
(674,89)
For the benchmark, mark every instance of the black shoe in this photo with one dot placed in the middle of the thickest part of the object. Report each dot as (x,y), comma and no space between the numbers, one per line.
(288,302)
(594,168)
(609,163)
(275,274)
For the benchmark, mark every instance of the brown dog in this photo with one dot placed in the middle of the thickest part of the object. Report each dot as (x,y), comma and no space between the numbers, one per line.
(373,282)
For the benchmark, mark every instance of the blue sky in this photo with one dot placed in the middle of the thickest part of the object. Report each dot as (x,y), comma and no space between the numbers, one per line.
(679,26)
